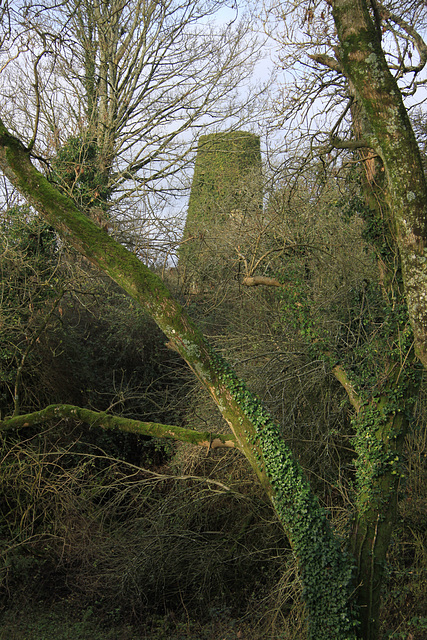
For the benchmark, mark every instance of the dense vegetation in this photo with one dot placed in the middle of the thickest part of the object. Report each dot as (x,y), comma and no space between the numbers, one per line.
(126,527)
(289,339)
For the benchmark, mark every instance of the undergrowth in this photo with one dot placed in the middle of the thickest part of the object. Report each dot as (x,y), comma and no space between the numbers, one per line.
(92,547)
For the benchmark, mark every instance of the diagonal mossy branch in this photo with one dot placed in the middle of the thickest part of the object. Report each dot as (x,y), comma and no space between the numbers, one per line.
(108,421)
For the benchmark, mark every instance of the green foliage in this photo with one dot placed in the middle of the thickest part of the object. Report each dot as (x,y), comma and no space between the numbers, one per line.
(326,570)
(405,599)
(296,303)
(76,171)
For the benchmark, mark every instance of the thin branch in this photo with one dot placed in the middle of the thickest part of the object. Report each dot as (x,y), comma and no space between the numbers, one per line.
(414,36)
(37,92)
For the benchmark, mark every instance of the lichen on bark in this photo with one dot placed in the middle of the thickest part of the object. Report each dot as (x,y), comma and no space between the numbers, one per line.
(365,65)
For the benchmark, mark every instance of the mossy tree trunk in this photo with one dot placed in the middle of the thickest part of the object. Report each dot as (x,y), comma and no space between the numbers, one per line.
(382,418)
(396,203)
(326,570)
(364,63)
(379,474)
(382,414)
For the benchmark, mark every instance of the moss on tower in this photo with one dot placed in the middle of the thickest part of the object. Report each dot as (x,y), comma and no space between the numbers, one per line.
(226,188)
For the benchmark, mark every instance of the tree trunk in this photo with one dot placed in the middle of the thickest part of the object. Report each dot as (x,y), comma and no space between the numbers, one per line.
(364,64)
(378,444)
(395,194)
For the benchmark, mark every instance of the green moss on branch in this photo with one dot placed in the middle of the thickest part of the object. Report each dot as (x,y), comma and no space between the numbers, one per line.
(108,421)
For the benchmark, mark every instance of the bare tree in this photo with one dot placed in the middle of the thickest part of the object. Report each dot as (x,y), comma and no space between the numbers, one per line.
(129,85)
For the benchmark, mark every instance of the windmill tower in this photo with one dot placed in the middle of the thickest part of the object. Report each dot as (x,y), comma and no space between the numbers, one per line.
(226,189)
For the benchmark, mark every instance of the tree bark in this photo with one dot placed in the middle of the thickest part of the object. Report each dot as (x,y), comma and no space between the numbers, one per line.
(378,444)
(396,196)
(365,65)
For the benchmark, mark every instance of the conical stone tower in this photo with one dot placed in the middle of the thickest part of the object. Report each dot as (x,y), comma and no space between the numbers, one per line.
(226,188)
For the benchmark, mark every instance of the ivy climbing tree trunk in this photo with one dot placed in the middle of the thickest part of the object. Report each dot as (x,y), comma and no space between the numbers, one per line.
(380,423)
(326,570)
(384,405)
(396,199)
(363,62)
